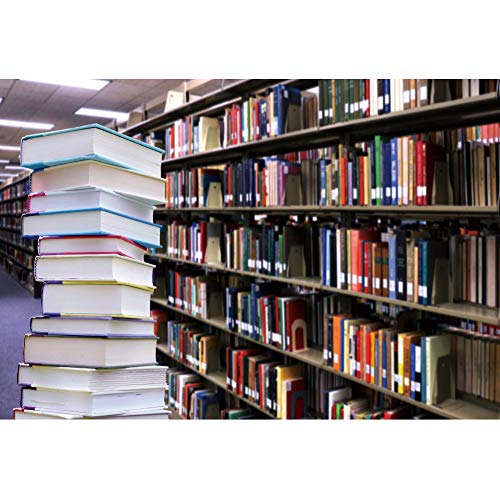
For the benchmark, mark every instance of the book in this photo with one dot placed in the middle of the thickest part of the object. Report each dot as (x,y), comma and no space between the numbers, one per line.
(92,404)
(105,199)
(95,299)
(110,268)
(90,141)
(88,351)
(37,414)
(95,326)
(90,380)
(75,245)
(83,173)
(91,222)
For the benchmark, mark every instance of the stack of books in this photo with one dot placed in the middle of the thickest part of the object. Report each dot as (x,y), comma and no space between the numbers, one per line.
(93,352)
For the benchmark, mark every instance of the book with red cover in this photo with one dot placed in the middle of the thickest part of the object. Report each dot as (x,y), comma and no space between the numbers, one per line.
(186,395)
(366,247)
(296,324)
(357,257)
(238,372)
(343,180)
(398,413)
(203,241)
(295,399)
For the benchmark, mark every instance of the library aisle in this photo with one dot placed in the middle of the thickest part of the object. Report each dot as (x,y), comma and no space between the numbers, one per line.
(17,306)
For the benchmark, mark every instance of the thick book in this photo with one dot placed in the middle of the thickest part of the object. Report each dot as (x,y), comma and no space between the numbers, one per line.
(91,222)
(37,414)
(76,245)
(93,403)
(91,197)
(46,149)
(96,299)
(93,268)
(95,326)
(82,173)
(88,351)
(85,379)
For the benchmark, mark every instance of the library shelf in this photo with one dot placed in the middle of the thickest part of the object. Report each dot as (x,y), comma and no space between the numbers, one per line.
(174,415)
(218,379)
(479,313)
(15,262)
(450,409)
(225,95)
(11,229)
(17,246)
(17,198)
(451,211)
(452,114)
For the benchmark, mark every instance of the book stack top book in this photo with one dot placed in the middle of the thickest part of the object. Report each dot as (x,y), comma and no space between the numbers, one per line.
(92,354)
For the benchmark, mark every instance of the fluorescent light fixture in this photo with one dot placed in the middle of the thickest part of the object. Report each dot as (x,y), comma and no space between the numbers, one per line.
(102,113)
(4,160)
(9,148)
(26,124)
(18,168)
(76,83)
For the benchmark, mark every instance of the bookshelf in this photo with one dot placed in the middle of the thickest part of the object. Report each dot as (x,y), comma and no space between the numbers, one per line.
(450,409)
(16,253)
(223,97)
(459,113)
(475,111)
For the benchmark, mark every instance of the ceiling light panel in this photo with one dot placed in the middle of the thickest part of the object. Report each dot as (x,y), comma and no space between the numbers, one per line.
(75,83)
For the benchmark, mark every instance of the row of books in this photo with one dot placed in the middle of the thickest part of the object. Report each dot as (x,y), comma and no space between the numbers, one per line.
(193,398)
(14,208)
(277,388)
(280,321)
(402,171)
(413,264)
(10,222)
(427,367)
(408,262)
(340,405)
(192,344)
(14,191)
(343,100)
(194,292)
(21,274)
(17,239)
(19,256)
(279,110)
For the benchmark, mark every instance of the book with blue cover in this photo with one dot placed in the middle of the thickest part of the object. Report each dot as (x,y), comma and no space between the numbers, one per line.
(47,149)
(91,222)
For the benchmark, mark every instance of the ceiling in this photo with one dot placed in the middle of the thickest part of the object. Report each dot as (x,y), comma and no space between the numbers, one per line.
(39,102)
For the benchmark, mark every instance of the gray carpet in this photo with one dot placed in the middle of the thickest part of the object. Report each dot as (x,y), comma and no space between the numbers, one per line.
(17,306)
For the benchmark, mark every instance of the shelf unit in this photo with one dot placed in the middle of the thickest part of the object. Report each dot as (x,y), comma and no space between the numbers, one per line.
(218,379)
(8,260)
(464,311)
(459,113)
(451,409)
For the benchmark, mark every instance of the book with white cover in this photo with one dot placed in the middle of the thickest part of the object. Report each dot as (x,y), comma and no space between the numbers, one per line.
(89,198)
(101,245)
(88,351)
(74,378)
(96,299)
(90,222)
(93,403)
(93,268)
(85,173)
(46,149)
(92,326)
(37,414)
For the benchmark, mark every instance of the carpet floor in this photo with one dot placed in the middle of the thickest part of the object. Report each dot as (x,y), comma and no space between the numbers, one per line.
(17,306)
